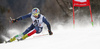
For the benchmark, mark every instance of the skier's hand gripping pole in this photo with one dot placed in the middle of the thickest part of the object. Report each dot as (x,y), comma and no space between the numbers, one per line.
(13,20)
(50,32)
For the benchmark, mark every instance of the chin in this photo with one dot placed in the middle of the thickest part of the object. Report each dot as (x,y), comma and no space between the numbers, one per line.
(35,16)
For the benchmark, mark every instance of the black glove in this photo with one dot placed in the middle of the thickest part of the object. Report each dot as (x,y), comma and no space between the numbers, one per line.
(50,32)
(14,20)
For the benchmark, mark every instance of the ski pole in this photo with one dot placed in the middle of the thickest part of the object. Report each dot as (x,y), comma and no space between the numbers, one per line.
(40,35)
(10,18)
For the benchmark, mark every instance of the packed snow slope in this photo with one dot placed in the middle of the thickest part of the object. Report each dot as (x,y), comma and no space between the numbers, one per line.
(63,38)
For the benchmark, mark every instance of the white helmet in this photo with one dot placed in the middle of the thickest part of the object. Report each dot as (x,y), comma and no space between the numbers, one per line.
(35,11)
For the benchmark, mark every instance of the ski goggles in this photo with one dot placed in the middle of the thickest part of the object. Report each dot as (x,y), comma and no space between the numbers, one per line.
(36,14)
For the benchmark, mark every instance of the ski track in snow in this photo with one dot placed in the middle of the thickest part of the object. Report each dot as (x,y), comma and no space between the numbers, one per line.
(63,38)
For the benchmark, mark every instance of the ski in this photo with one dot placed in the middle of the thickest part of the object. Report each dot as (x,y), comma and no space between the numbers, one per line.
(40,35)
(33,37)
(28,38)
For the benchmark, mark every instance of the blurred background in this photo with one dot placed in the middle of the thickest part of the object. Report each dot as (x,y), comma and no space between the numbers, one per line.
(56,12)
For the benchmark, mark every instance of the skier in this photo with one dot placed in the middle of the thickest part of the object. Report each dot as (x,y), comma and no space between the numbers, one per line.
(36,26)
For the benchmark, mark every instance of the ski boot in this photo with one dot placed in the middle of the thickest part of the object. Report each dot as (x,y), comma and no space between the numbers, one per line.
(11,40)
(24,37)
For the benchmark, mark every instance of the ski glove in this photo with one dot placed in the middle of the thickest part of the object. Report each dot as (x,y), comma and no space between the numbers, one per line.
(14,20)
(50,32)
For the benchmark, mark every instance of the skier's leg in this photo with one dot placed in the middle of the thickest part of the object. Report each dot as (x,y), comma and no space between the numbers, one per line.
(29,34)
(35,30)
(20,35)
(29,29)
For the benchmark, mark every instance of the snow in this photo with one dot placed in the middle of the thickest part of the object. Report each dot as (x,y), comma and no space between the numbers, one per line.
(63,38)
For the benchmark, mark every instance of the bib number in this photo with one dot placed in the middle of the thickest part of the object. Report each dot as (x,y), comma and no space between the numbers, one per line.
(36,22)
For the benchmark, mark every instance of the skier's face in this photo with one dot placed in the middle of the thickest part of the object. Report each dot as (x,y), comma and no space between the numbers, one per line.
(35,14)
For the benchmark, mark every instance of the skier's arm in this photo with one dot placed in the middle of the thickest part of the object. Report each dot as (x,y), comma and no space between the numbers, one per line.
(24,17)
(21,18)
(48,25)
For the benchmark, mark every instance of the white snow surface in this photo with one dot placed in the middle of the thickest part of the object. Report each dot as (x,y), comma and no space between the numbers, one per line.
(63,38)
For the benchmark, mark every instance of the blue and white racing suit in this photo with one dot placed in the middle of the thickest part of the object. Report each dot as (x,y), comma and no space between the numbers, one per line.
(37,23)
